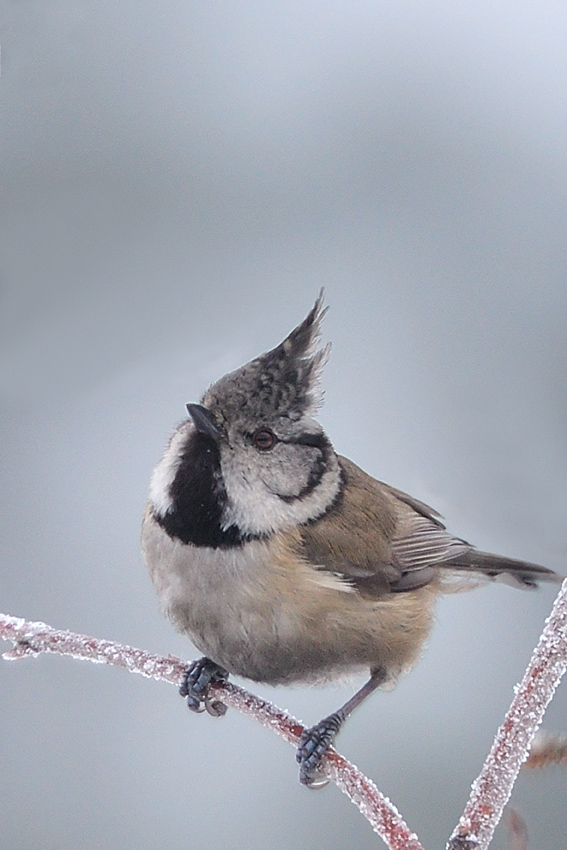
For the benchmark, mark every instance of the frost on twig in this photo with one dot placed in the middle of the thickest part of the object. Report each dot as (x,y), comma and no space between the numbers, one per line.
(492,789)
(31,639)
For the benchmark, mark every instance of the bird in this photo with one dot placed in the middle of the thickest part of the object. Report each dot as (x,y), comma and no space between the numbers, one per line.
(284,562)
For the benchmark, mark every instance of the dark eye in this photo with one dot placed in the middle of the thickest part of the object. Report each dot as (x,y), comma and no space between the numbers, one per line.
(264,439)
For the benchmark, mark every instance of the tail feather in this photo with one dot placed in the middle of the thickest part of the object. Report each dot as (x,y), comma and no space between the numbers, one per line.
(520,574)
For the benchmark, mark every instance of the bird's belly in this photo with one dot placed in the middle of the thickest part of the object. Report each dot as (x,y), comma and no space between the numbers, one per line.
(269,617)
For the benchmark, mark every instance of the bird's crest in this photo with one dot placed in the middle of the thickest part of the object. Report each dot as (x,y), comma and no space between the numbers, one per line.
(281,382)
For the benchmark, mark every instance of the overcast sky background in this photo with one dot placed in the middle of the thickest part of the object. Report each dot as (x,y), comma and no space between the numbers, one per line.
(178,180)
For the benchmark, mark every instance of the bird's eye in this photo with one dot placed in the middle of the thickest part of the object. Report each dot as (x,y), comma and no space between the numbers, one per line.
(264,439)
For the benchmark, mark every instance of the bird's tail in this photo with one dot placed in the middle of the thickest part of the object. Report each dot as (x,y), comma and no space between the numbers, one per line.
(520,574)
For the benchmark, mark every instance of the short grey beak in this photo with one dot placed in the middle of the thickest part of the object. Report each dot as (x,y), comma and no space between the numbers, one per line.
(204,421)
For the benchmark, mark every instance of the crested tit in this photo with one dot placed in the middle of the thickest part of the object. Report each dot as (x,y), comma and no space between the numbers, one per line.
(283,561)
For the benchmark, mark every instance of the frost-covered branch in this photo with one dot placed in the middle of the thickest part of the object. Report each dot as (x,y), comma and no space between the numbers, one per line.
(31,639)
(492,788)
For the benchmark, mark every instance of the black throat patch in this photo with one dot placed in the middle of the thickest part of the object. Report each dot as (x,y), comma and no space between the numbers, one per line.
(199,498)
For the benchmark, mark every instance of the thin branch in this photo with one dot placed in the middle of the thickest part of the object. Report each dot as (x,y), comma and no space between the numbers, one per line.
(492,788)
(31,639)
(516,829)
(547,749)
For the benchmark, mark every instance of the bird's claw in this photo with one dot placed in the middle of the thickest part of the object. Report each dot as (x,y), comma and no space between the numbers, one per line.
(313,745)
(196,683)
(214,707)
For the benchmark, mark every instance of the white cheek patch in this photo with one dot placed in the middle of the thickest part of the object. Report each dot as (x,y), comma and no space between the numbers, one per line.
(252,510)
(166,470)
(256,510)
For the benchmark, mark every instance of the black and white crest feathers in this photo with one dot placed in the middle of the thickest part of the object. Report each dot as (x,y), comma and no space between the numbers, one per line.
(281,382)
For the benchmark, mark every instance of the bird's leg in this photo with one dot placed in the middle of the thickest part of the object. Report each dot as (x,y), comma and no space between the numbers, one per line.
(196,683)
(315,741)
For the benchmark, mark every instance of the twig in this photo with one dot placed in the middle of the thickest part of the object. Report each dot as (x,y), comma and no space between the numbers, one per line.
(547,749)
(492,788)
(31,639)
(517,830)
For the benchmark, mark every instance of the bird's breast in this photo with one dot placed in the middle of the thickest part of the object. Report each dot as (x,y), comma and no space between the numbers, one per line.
(260,610)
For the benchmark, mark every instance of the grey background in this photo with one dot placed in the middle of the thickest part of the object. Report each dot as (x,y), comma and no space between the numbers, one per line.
(178,180)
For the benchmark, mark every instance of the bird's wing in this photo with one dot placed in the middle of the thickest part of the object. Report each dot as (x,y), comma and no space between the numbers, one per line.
(377,537)
(381,540)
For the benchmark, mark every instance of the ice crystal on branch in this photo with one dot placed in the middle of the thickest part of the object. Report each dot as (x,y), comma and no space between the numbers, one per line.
(31,639)
(492,789)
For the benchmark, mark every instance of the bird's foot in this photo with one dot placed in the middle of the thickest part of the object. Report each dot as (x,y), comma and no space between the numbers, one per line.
(313,745)
(196,684)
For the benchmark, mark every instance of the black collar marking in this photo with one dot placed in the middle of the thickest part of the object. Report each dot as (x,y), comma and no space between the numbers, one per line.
(199,498)
(321,442)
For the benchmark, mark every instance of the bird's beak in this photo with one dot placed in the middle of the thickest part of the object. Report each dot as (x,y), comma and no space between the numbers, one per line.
(204,421)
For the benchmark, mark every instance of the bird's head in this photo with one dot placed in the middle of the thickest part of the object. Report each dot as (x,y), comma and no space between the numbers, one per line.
(251,460)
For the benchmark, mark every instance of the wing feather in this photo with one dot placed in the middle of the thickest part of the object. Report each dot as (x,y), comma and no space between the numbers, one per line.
(381,540)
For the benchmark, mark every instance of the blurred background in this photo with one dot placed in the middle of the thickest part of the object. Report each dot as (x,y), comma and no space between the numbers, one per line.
(178,180)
